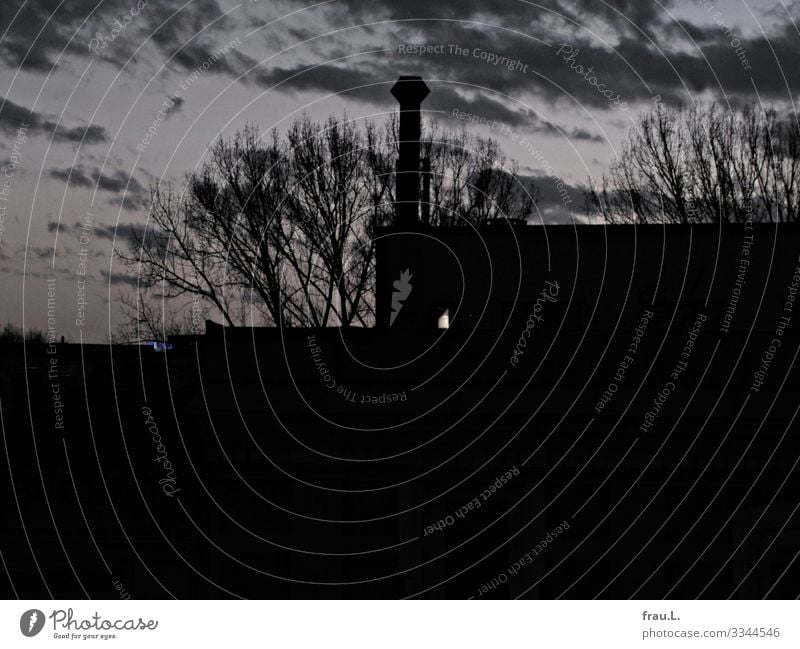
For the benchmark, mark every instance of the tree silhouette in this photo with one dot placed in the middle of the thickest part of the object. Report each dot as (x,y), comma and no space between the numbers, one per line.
(280,230)
(704,165)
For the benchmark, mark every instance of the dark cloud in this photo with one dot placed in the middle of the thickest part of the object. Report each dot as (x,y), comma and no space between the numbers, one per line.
(446,101)
(120,231)
(128,201)
(359,83)
(74,177)
(695,58)
(175,106)
(118,278)
(774,65)
(553,191)
(731,72)
(323,78)
(511,25)
(19,20)
(626,16)
(110,232)
(186,36)
(73,25)
(650,55)
(55,26)
(623,14)
(130,191)
(119,181)
(41,252)
(526,68)
(14,116)
(54,226)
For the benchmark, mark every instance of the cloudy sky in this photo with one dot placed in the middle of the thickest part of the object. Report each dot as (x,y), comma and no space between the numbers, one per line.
(100,101)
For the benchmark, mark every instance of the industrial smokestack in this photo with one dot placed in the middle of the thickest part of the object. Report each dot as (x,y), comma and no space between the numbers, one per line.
(410,92)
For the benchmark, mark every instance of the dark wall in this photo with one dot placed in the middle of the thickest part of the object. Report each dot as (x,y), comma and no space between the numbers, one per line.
(484,276)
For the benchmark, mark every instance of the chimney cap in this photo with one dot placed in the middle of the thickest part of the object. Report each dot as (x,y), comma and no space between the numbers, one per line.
(410,90)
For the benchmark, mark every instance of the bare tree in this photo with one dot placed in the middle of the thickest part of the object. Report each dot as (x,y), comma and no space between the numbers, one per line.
(703,165)
(472,181)
(149,316)
(281,231)
(11,334)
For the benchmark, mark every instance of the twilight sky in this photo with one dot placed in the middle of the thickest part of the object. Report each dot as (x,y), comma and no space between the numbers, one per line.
(100,100)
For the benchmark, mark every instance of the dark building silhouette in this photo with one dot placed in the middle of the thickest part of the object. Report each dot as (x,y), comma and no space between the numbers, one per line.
(604,411)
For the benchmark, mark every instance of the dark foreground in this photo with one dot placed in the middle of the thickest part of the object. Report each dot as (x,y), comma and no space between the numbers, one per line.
(635,446)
